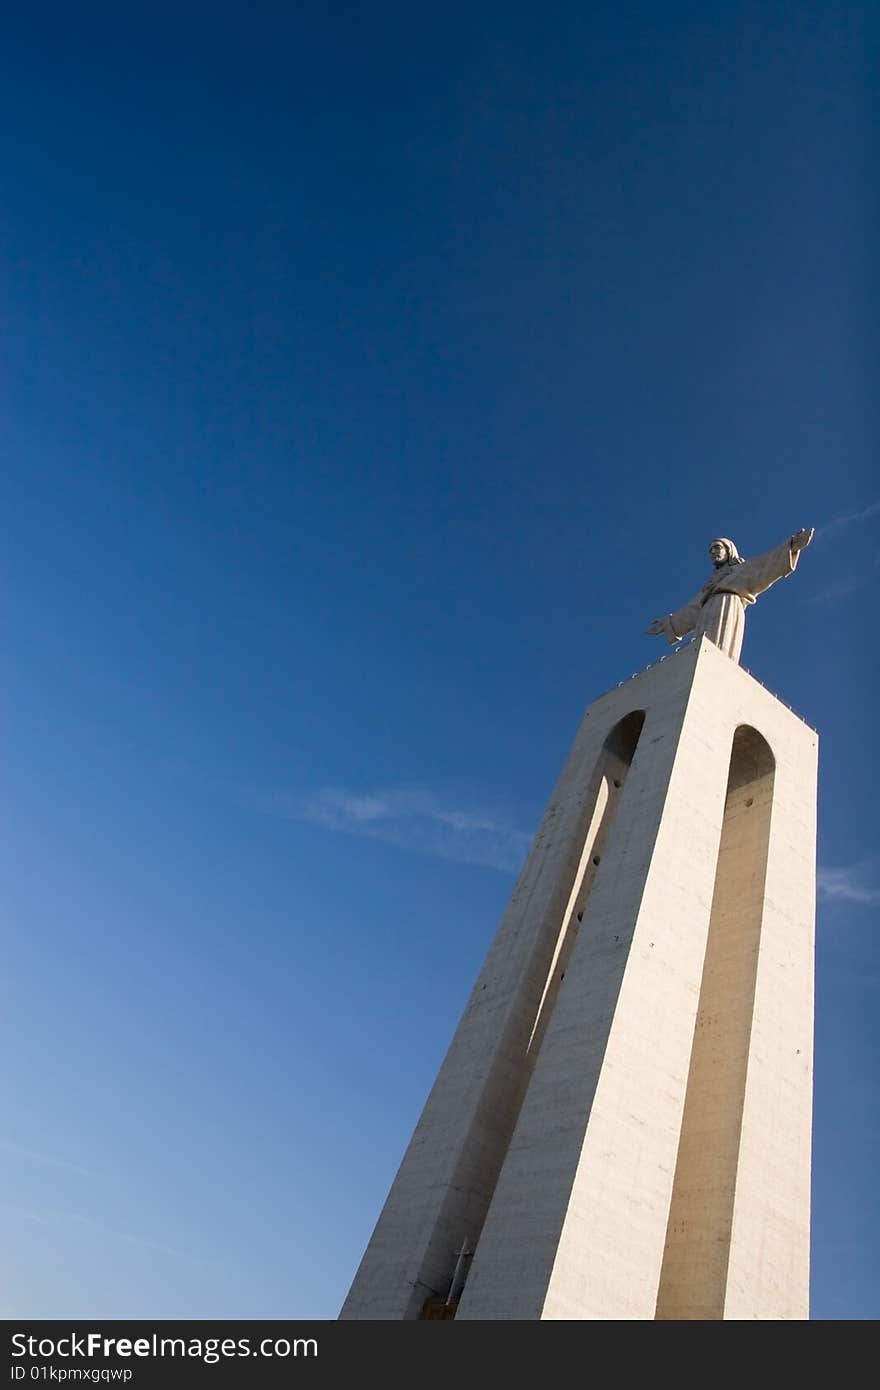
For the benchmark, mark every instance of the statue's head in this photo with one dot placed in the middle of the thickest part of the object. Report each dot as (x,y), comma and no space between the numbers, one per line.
(722,551)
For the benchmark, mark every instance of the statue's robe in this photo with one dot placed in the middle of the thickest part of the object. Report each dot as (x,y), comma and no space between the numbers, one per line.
(719,609)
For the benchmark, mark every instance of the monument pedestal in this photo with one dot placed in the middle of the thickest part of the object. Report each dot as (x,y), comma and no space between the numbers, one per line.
(621,1126)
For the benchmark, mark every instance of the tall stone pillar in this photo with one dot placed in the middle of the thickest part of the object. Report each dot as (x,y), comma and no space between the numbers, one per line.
(621,1126)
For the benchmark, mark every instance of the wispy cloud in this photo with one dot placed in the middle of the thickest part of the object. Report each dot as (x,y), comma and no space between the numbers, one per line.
(849,884)
(42,1160)
(55,1219)
(838,589)
(842,588)
(832,529)
(413,818)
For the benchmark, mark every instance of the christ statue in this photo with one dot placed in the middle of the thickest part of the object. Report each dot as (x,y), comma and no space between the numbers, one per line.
(719,609)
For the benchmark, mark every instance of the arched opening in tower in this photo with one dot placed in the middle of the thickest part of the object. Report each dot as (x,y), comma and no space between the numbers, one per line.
(606,788)
(693,1279)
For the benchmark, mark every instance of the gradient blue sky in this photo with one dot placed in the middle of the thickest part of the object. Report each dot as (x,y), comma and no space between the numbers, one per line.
(371,376)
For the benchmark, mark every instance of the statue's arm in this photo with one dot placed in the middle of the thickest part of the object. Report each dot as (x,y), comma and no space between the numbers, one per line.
(763,570)
(800,540)
(678,624)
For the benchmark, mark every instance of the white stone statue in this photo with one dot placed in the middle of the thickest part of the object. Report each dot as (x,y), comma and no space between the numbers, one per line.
(719,609)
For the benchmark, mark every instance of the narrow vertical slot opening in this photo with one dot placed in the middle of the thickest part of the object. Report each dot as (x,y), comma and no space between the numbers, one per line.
(693,1279)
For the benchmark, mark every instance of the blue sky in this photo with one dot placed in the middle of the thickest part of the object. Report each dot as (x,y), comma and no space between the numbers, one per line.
(371,376)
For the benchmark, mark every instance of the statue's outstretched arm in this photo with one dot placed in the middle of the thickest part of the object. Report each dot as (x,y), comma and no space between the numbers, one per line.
(759,572)
(676,625)
(801,539)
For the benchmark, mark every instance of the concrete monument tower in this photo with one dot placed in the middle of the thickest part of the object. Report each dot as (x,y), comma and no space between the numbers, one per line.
(621,1126)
